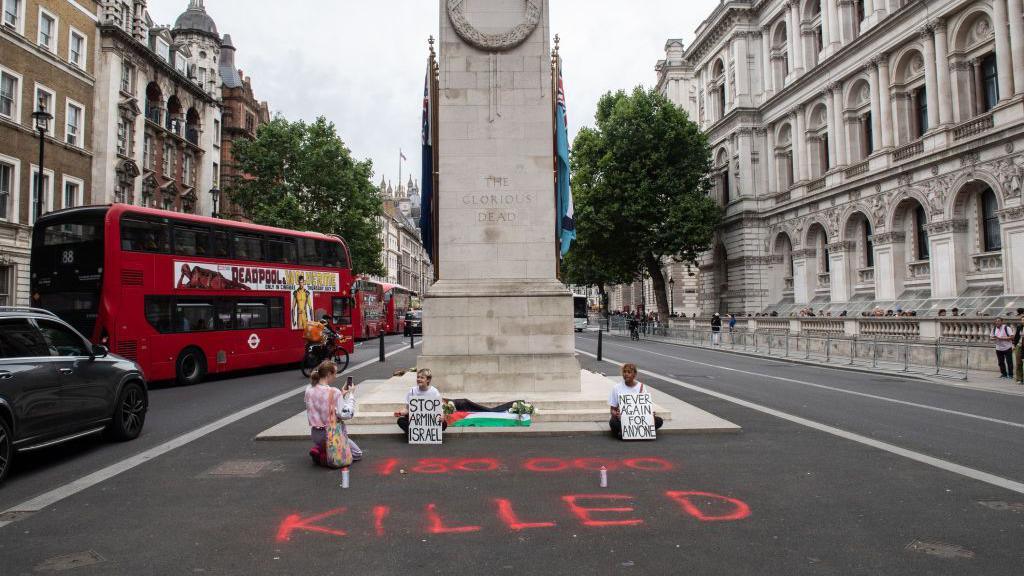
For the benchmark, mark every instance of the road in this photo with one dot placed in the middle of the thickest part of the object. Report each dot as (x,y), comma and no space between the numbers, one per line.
(782,497)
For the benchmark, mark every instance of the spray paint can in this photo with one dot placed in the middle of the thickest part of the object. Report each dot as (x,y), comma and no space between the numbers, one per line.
(344,477)
(604,477)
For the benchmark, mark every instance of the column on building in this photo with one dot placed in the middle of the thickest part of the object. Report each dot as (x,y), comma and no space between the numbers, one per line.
(885,107)
(1004,61)
(847,20)
(890,264)
(801,276)
(742,66)
(767,78)
(832,12)
(931,85)
(1011,222)
(745,150)
(706,85)
(942,73)
(800,147)
(766,159)
(1017,44)
(948,249)
(876,112)
(840,124)
(840,255)
(795,38)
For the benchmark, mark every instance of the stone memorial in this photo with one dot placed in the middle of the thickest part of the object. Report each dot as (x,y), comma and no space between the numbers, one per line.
(498,319)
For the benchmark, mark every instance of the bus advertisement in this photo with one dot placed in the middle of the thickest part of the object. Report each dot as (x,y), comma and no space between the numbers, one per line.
(184,295)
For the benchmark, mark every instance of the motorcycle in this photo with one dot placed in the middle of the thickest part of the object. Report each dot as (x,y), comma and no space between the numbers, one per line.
(317,352)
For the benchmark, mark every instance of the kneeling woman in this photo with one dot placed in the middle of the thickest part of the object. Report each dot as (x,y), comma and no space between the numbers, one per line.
(318,409)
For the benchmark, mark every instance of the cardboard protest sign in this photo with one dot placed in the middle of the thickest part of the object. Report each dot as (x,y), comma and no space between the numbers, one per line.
(425,418)
(636,412)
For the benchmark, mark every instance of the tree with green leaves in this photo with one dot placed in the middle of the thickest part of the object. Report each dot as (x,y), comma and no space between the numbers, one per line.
(302,177)
(641,175)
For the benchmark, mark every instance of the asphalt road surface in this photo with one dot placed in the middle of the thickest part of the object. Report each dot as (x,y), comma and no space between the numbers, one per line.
(782,497)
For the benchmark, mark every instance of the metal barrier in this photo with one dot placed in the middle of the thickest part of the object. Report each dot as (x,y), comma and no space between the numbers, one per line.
(943,359)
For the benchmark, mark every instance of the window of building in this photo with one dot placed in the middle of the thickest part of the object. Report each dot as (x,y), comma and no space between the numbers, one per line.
(46,199)
(179,62)
(122,136)
(9,95)
(47,30)
(920,234)
(163,49)
(869,246)
(44,101)
(216,131)
(921,113)
(993,239)
(13,13)
(201,76)
(825,160)
(6,190)
(168,204)
(148,190)
(721,101)
(868,134)
(76,49)
(725,187)
(147,152)
(5,293)
(186,168)
(216,175)
(75,117)
(72,193)
(168,160)
(127,77)
(989,81)
(250,123)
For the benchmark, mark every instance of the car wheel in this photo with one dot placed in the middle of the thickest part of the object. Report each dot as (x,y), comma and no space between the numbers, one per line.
(129,413)
(191,367)
(6,449)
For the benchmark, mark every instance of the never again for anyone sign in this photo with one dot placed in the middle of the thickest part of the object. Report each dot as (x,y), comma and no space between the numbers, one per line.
(636,412)
(425,417)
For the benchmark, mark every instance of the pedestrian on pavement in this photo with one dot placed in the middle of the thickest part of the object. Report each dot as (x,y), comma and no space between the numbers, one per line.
(1003,337)
(1018,343)
(732,322)
(716,329)
(629,385)
(318,409)
(634,328)
(424,390)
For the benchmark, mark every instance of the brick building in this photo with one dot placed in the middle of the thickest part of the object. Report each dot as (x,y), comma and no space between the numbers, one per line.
(47,59)
(242,115)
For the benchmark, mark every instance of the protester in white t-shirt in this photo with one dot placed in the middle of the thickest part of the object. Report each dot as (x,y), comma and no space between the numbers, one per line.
(629,385)
(422,389)
(1003,337)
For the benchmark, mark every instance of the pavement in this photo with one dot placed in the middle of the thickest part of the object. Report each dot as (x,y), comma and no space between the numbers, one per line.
(789,495)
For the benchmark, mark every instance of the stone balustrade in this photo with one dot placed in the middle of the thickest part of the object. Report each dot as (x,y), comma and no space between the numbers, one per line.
(770,325)
(962,329)
(866,276)
(909,151)
(856,169)
(966,329)
(987,262)
(824,280)
(816,184)
(822,326)
(902,328)
(787,284)
(920,270)
(973,126)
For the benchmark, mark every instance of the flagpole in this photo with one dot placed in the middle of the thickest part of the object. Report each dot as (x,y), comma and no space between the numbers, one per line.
(400,156)
(554,156)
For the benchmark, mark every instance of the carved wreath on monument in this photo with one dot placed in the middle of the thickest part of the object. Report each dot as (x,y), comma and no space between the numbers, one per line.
(495,42)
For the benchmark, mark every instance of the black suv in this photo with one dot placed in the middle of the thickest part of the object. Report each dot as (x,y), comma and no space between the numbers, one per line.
(413,322)
(55,386)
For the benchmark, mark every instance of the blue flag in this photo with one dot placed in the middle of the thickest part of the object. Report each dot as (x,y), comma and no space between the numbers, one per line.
(565,215)
(427,197)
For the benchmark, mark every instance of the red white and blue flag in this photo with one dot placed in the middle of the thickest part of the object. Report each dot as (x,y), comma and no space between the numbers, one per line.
(566,215)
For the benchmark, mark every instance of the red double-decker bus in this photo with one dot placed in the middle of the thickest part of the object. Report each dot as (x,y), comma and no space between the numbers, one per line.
(368,310)
(397,301)
(183,295)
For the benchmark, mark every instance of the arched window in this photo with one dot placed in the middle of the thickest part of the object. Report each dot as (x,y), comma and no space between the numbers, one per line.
(725,186)
(992,237)
(867,134)
(920,234)
(869,246)
(989,82)
(721,101)
(920,111)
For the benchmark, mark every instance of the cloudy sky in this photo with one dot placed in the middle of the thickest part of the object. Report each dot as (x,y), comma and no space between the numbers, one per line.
(361,63)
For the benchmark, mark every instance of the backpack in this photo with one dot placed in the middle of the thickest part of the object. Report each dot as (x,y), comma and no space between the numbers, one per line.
(314,332)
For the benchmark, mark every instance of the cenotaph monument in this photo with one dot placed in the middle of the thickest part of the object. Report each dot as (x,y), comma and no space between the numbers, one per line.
(498,319)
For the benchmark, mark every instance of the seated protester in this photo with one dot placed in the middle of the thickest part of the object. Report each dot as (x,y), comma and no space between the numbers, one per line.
(629,386)
(422,389)
(318,409)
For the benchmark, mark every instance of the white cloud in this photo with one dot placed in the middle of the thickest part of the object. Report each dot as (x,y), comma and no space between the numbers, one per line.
(361,63)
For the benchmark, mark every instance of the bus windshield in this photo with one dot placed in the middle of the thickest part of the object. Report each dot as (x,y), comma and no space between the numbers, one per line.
(579,306)
(67,267)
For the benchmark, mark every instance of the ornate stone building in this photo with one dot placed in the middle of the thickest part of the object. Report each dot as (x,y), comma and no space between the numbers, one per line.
(47,60)
(866,152)
(404,257)
(157,112)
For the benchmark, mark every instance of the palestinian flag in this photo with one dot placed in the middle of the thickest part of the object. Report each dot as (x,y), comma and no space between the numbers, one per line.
(487,420)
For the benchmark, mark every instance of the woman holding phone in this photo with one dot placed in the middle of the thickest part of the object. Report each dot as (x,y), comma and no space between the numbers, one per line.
(319,396)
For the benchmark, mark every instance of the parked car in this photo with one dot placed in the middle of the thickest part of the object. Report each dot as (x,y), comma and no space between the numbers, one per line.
(55,386)
(413,322)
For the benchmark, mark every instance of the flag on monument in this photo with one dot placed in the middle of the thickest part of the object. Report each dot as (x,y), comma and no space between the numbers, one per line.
(566,222)
(427,193)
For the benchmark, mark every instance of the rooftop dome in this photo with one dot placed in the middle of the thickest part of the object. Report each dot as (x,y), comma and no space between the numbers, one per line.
(196,19)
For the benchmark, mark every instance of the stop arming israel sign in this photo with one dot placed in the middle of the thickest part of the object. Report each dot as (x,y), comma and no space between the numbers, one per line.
(636,413)
(425,417)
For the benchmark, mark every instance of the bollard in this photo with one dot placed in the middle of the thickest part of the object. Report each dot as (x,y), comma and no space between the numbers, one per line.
(599,338)
(381,346)
(938,359)
(412,340)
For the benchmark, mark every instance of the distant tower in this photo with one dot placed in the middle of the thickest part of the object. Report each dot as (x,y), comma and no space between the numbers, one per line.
(197,30)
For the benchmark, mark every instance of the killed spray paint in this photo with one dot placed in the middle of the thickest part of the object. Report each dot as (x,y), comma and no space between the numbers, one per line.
(604,477)
(344,477)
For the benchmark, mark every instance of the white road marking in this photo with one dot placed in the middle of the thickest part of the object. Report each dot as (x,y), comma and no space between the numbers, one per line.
(891,448)
(834,389)
(57,494)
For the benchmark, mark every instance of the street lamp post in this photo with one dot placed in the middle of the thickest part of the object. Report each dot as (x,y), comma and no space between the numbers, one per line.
(672,296)
(643,296)
(215,195)
(42,119)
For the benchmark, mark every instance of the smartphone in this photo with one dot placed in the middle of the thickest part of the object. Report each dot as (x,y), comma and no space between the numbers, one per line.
(349,383)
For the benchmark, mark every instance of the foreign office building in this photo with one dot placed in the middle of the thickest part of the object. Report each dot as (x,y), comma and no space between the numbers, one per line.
(405,260)
(866,152)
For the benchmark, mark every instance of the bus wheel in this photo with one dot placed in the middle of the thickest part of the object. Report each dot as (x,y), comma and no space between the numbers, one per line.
(191,366)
